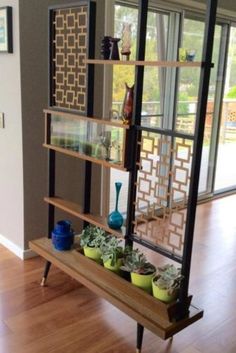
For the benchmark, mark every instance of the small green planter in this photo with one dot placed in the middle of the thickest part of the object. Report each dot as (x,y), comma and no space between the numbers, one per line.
(116,267)
(93,253)
(162,294)
(142,281)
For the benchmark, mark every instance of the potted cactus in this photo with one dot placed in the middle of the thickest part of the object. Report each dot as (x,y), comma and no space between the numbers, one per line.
(91,240)
(112,254)
(140,269)
(166,283)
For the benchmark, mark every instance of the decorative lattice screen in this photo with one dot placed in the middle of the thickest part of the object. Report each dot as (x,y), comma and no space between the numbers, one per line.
(162,190)
(69,49)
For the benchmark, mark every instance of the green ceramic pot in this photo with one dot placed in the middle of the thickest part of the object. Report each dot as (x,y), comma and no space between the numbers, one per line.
(162,294)
(116,267)
(93,253)
(142,281)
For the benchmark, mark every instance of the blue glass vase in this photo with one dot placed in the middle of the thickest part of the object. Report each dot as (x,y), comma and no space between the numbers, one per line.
(115,218)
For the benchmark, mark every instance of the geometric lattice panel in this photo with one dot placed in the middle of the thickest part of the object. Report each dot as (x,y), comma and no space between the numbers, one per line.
(162,190)
(69,40)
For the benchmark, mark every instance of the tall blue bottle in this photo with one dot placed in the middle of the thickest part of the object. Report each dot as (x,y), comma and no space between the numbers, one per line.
(115,218)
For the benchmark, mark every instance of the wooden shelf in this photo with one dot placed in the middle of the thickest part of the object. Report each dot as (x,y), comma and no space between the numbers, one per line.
(156,316)
(146,63)
(76,210)
(88,119)
(85,157)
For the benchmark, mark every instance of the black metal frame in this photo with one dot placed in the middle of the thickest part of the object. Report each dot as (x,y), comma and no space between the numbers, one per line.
(197,152)
(197,138)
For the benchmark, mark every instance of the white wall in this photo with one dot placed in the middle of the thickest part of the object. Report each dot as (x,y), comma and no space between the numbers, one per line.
(11,163)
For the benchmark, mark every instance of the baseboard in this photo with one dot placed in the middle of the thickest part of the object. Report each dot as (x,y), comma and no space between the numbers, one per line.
(17,250)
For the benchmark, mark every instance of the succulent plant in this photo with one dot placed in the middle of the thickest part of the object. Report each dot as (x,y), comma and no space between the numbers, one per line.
(93,237)
(135,261)
(111,250)
(168,277)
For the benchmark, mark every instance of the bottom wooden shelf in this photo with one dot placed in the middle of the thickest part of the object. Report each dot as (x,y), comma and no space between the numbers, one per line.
(156,316)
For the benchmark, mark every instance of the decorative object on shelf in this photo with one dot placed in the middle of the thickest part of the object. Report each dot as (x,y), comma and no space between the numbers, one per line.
(142,271)
(105,138)
(117,154)
(114,114)
(114,52)
(106,47)
(127,109)
(166,283)
(126,41)
(63,235)
(182,54)
(91,240)
(190,55)
(6,43)
(112,254)
(115,218)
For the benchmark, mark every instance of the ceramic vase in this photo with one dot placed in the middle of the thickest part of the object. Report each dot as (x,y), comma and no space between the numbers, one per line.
(114,53)
(106,47)
(63,236)
(127,109)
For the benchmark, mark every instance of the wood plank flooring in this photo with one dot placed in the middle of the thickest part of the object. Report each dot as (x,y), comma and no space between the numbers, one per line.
(67,318)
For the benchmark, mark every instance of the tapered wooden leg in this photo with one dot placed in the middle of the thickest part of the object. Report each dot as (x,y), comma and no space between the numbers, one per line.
(45,274)
(140,330)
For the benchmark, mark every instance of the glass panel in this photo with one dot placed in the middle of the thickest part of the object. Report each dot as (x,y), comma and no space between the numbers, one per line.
(225,167)
(124,74)
(154,77)
(188,91)
(89,138)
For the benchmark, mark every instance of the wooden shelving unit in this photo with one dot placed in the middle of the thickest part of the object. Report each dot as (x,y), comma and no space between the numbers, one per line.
(162,319)
(77,211)
(142,307)
(71,153)
(163,64)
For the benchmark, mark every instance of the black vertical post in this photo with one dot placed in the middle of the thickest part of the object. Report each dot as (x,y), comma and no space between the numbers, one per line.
(140,330)
(51,189)
(197,150)
(136,118)
(90,99)
(51,193)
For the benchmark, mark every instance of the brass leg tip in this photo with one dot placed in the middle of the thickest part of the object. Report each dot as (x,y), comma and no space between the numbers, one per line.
(138,350)
(43,282)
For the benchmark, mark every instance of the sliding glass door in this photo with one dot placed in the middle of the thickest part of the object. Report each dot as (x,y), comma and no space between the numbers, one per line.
(225,176)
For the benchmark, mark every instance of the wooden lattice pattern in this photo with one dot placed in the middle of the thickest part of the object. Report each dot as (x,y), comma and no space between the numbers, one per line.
(162,189)
(70,48)
(231,116)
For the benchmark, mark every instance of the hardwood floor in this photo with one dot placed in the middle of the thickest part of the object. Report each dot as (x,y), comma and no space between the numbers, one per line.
(67,318)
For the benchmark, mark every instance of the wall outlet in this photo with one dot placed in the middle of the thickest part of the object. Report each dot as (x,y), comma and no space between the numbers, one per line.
(2,123)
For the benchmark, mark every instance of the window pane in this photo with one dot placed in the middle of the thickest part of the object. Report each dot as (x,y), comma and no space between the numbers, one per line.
(226,168)
(189,80)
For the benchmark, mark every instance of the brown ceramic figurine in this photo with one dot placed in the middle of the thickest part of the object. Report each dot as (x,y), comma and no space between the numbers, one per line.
(127,109)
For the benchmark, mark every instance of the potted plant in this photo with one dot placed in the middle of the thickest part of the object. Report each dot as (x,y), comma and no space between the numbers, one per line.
(91,240)
(140,269)
(166,283)
(112,254)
